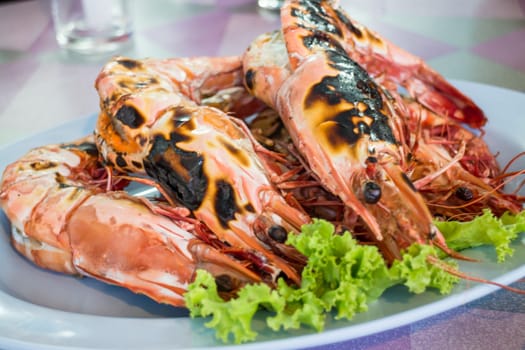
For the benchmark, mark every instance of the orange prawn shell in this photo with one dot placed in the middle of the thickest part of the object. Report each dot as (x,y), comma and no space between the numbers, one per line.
(64,219)
(231,169)
(200,156)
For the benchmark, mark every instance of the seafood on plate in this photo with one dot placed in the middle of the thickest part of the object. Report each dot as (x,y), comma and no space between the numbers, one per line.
(352,151)
(64,219)
(202,158)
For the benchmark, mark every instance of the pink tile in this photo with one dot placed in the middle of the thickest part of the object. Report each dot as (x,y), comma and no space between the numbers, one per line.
(45,42)
(394,339)
(464,8)
(242,29)
(29,18)
(522,5)
(375,7)
(66,89)
(473,329)
(202,34)
(195,36)
(508,49)
(14,75)
(500,9)
(415,43)
(401,343)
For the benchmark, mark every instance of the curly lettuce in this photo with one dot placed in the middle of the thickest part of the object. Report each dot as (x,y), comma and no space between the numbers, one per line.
(486,229)
(233,317)
(416,272)
(341,276)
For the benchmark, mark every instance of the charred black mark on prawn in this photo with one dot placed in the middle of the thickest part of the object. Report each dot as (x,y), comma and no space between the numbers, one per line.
(181,116)
(88,147)
(355,31)
(61,181)
(129,63)
(312,15)
(74,191)
(348,24)
(135,83)
(355,83)
(105,102)
(346,130)
(43,165)
(136,164)
(352,84)
(225,202)
(236,152)
(146,83)
(323,40)
(142,140)
(409,182)
(324,33)
(179,172)
(130,117)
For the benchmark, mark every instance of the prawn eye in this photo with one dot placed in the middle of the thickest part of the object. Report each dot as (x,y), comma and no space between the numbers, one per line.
(249,79)
(224,283)
(432,234)
(372,192)
(464,193)
(278,233)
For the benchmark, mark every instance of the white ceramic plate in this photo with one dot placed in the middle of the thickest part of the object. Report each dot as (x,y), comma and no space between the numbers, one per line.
(45,310)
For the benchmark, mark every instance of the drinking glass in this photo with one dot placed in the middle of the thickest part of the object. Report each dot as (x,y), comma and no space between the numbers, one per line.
(92,26)
(270,4)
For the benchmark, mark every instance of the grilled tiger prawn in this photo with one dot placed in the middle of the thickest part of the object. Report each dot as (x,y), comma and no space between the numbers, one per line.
(152,123)
(452,167)
(345,125)
(387,64)
(64,219)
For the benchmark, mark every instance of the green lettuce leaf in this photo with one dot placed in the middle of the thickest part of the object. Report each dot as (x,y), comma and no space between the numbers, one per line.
(233,317)
(341,276)
(485,229)
(417,273)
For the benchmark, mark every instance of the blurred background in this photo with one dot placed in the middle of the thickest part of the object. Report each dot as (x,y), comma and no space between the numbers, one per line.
(477,40)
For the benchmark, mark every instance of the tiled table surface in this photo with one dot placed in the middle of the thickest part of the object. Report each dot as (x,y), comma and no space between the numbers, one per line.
(478,40)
